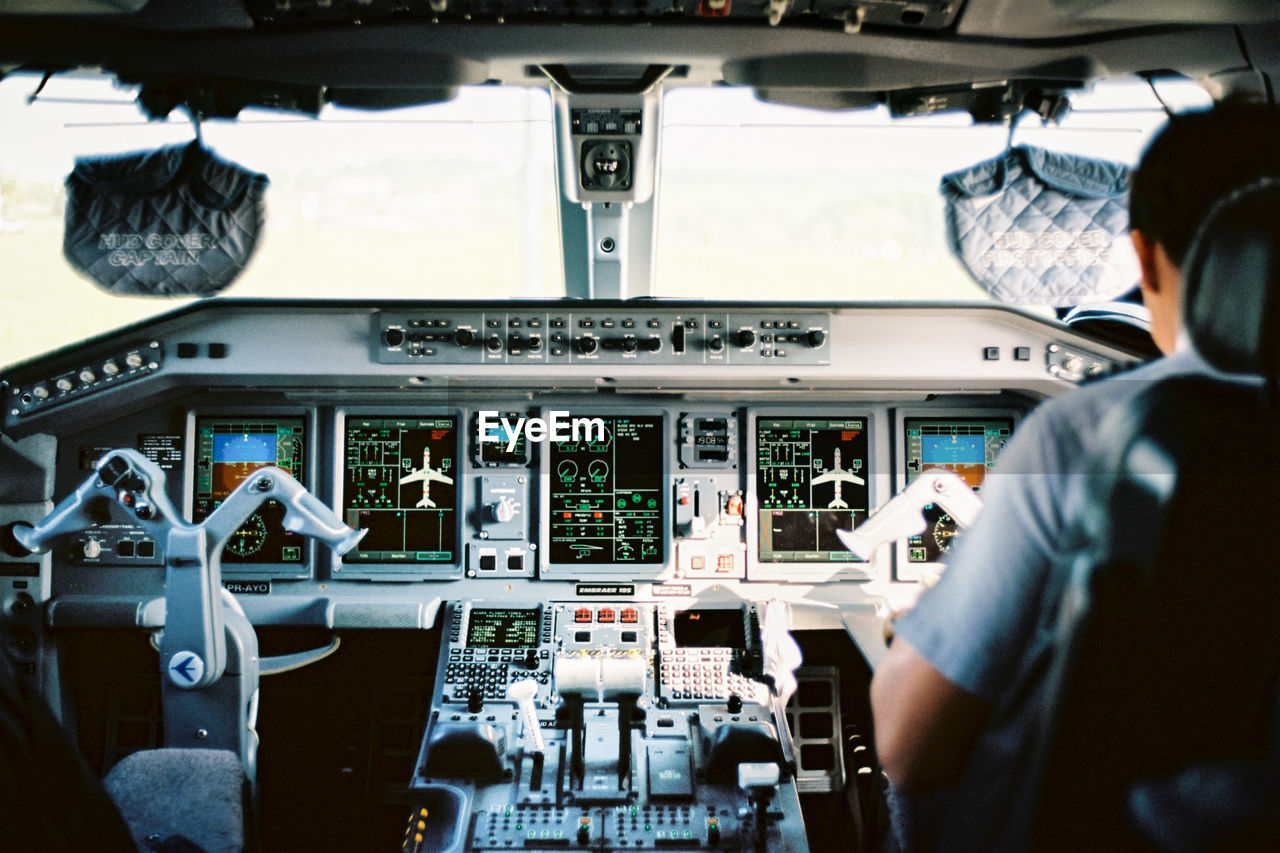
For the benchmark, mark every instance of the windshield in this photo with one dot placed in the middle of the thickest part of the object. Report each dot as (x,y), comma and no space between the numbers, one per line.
(458,200)
(770,202)
(450,200)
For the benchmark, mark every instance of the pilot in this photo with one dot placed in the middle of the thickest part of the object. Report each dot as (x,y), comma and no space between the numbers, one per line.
(951,699)
(51,799)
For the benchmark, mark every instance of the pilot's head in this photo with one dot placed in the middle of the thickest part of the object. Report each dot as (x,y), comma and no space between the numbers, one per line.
(1197,158)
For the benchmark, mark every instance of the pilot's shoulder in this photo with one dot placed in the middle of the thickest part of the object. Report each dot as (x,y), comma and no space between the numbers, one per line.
(1090,402)
(1054,435)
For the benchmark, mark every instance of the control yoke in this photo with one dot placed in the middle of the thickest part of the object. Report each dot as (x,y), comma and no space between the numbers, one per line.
(193,651)
(904,515)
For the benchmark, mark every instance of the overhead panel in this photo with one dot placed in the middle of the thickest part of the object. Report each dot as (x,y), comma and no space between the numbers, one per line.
(910,14)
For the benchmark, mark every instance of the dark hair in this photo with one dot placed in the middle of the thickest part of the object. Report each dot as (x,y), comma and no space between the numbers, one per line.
(1194,160)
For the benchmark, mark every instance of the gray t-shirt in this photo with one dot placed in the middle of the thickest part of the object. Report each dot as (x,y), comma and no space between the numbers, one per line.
(987,625)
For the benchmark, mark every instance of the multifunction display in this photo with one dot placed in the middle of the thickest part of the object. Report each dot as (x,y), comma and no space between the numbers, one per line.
(965,446)
(496,446)
(707,627)
(607,493)
(228,450)
(811,480)
(400,484)
(503,629)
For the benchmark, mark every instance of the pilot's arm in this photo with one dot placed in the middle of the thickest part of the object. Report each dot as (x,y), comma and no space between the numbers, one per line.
(971,638)
(926,725)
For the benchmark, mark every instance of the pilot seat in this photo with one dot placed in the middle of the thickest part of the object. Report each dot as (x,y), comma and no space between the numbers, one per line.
(1161,729)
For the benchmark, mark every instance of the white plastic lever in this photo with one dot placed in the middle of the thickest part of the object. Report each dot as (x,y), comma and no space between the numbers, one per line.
(522,692)
(904,515)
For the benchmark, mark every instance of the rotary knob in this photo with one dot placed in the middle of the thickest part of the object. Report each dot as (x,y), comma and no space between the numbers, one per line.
(816,337)
(502,511)
(393,337)
(716,344)
(587,345)
(746,338)
(464,337)
(629,345)
(92,549)
(494,344)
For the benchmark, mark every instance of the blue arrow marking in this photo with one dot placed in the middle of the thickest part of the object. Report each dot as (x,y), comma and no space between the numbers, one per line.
(184,668)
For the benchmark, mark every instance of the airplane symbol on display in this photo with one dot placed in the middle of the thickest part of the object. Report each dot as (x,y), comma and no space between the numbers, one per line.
(425,475)
(184,668)
(583,548)
(839,476)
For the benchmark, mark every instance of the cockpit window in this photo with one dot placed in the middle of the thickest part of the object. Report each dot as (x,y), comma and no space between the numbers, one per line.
(754,201)
(439,201)
(763,201)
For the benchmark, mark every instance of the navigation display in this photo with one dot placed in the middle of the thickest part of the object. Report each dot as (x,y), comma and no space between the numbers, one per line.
(228,450)
(810,482)
(607,493)
(965,446)
(400,484)
(503,629)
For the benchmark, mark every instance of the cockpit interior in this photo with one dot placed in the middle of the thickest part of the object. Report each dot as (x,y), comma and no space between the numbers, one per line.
(576,521)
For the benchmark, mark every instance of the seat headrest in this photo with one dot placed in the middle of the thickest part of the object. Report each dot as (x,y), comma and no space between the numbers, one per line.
(1232,282)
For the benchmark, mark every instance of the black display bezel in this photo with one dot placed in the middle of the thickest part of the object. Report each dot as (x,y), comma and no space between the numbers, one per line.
(911,546)
(501,618)
(264,568)
(418,421)
(560,568)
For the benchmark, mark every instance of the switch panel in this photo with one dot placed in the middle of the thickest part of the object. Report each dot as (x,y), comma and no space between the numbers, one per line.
(603,336)
(503,499)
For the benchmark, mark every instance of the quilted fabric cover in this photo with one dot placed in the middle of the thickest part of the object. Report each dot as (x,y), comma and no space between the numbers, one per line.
(1043,228)
(177,221)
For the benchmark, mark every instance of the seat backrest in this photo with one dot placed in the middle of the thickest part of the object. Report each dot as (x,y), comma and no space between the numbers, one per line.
(1168,644)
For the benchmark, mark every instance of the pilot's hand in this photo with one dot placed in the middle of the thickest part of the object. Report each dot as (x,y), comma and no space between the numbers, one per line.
(903,598)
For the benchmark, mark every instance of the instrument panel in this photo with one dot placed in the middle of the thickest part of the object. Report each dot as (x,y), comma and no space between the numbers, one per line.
(599,523)
(649,491)
(479,460)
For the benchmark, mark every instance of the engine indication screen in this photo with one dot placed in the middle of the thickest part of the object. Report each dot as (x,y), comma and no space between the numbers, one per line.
(503,629)
(810,482)
(228,450)
(965,446)
(607,494)
(400,484)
